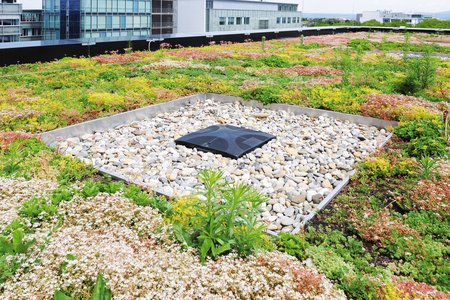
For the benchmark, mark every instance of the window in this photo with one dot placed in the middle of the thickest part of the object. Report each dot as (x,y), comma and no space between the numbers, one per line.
(230,20)
(278,20)
(101,22)
(246,20)
(238,20)
(222,20)
(289,20)
(108,22)
(284,20)
(122,22)
(294,20)
(116,22)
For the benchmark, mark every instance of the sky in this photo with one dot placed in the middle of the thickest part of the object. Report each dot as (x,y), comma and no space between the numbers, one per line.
(343,6)
(356,6)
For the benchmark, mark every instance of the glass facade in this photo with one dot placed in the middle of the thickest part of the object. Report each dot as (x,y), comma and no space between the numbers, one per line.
(64,19)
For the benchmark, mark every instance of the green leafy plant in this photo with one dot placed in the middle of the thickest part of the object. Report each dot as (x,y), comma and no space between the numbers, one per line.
(418,128)
(91,188)
(111,187)
(100,291)
(428,223)
(360,44)
(265,94)
(142,198)
(108,76)
(446,125)
(275,61)
(7,268)
(12,243)
(16,244)
(427,146)
(420,74)
(424,136)
(38,209)
(291,244)
(428,167)
(346,65)
(13,160)
(71,169)
(226,220)
(62,193)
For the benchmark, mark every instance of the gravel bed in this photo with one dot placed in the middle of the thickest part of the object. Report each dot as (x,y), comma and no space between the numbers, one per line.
(296,170)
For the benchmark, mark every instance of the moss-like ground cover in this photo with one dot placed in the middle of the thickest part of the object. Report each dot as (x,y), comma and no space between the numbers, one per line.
(386,236)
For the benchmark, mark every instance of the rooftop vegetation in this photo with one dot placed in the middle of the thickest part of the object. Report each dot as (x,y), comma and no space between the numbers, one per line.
(385,237)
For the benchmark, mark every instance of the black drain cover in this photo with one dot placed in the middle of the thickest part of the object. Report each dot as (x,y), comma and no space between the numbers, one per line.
(226,140)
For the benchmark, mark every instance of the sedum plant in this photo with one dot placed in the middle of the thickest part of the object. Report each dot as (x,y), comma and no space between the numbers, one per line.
(226,220)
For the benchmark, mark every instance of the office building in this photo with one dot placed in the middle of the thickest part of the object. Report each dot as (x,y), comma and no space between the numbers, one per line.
(10,12)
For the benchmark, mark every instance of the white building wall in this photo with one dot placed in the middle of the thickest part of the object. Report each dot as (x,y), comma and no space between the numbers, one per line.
(270,18)
(241,5)
(371,15)
(191,16)
(31,4)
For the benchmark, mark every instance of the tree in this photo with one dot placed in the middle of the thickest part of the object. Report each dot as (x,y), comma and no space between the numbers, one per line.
(434,23)
(372,23)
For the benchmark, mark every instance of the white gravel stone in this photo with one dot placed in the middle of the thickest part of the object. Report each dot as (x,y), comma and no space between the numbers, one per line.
(289,212)
(286,221)
(279,208)
(307,156)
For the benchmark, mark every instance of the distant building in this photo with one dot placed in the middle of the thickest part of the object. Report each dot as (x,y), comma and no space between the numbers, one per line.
(234,15)
(10,12)
(386,16)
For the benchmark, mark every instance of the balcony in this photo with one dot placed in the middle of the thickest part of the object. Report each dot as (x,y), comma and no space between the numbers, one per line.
(159,10)
(162,25)
(10,8)
(10,30)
